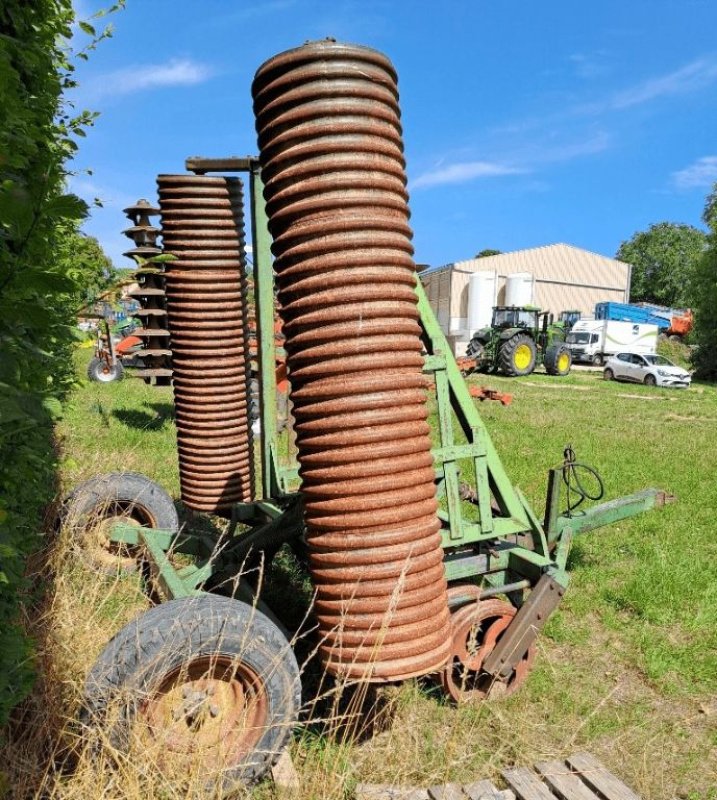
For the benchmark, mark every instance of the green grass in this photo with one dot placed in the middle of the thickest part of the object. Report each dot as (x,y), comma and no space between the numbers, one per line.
(627,668)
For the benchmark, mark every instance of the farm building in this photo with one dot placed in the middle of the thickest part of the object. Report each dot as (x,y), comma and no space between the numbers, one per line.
(557,277)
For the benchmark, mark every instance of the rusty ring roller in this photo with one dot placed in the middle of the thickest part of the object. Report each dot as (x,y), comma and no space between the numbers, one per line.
(203,227)
(329,135)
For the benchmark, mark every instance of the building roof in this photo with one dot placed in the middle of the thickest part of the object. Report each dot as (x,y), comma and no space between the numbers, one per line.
(556,261)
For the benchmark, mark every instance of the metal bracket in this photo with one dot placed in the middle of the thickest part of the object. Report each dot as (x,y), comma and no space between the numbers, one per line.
(525,627)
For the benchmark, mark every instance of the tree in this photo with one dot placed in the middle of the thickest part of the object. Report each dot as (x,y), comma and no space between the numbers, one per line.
(709,215)
(84,260)
(663,259)
(486,253)
(704,287)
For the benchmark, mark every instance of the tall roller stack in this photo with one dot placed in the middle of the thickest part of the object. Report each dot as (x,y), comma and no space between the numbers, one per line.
(155,353)
(331,153)
(203,227)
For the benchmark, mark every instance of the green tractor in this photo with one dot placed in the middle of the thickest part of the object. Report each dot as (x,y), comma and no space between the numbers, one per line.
(517,341)
(567,319)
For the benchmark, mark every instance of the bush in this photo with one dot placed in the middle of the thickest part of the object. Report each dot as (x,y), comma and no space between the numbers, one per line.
(41,289)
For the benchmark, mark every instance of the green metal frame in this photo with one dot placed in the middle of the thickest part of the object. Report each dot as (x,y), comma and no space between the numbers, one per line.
(498,541)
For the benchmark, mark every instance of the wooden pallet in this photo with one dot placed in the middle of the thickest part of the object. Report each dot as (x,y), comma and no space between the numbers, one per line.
(579,777)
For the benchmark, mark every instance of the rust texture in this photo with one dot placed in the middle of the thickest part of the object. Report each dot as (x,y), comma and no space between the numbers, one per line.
(203,227)
(155,353)
(331,153)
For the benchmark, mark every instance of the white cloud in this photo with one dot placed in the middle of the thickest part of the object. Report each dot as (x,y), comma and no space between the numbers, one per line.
(701,174)
(462,172)
(692,77)
(590,65)
(137,78)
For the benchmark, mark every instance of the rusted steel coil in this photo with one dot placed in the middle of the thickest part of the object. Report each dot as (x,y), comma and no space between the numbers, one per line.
(202,225)
(330,144)
(154,354)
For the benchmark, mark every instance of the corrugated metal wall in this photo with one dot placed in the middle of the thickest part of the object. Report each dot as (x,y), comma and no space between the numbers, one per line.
(565,278)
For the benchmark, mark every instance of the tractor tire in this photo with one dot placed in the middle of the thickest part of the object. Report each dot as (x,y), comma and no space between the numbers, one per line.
(98,371)
(558,360)
(608,374)
(90,510)
(517,356)
(202,686)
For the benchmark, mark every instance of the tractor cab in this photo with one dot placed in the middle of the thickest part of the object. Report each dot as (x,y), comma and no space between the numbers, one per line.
(505,317)
(568,318)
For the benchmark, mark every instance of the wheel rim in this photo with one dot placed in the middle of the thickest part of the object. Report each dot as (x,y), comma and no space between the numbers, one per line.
(105,374)
(563,362)
(97,541)
(522,356)
(209,713)
(477,628)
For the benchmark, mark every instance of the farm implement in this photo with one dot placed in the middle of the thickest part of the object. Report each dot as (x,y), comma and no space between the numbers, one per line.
(422,556)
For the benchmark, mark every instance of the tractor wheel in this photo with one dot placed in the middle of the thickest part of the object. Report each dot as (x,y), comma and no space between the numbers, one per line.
(94,506)
(204,687)
(477,627)
(99,370)
(517,356)
(608,374)
(558,360)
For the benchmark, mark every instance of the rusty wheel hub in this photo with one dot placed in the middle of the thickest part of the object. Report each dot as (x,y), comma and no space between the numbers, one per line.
(209,714)
(97,542)
(477,627)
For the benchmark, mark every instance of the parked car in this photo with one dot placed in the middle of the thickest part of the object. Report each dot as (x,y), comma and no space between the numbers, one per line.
(651,369)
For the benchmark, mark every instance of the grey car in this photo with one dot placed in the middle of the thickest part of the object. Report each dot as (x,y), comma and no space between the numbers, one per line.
(651,369)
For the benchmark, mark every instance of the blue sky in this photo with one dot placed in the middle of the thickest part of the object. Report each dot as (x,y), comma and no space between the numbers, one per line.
(525,122)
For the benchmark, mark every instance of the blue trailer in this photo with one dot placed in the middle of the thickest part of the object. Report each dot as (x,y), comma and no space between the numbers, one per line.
(625,312)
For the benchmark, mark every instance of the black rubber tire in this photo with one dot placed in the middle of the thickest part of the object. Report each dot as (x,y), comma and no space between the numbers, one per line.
(112,495)
(552,359)
(99,372)
(506,356)
(159,642)
(475,349)
(608,374)
(598,360)
(650,380)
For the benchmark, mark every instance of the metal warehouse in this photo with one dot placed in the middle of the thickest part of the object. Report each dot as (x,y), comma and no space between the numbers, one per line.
(557,277)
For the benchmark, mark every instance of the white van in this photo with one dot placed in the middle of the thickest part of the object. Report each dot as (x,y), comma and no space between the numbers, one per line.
(595,341)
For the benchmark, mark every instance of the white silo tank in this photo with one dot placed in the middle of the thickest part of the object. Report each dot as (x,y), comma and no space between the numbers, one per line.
(519,289)
(481,299)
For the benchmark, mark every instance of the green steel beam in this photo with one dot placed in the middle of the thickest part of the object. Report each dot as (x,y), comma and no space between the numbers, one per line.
(170,584)
(272,485)
(453,397)
(609,513)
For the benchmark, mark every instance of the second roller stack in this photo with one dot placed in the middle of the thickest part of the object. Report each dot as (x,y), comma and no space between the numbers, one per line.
(202,226)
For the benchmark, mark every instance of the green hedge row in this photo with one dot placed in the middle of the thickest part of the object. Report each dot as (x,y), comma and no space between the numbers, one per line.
(41,289)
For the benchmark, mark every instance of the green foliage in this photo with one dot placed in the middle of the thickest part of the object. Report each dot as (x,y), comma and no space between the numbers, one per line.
(705,292)
(663,259)
(46,268)
(486,253)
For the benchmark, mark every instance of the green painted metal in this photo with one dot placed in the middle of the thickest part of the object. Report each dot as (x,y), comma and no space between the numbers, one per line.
(272,482)
(495,540)
(609,513)
(490,478)
(170,583)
